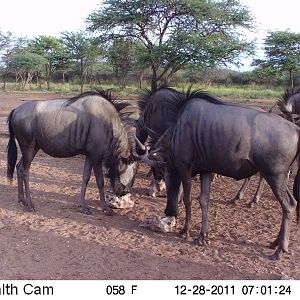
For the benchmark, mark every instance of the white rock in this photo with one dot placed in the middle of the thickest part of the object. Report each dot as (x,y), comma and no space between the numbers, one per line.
(120,202)
(164,224)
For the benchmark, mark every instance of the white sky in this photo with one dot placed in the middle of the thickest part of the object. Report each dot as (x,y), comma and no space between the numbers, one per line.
(271,15)
(39,17)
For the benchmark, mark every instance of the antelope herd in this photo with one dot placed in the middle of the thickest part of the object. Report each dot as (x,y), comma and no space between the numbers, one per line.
(179,134)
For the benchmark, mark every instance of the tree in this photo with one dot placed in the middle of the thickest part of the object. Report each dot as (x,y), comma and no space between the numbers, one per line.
(120,56)
(52,49)
(24,65)
(12,46)
(82,49)
(282,51)
(176,32)
(5,40)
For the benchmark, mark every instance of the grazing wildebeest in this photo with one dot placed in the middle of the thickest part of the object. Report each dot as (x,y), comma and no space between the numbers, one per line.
(211,136)
(88,124)
(159,111)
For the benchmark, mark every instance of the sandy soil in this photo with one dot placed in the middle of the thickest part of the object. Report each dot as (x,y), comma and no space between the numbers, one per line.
(58,242)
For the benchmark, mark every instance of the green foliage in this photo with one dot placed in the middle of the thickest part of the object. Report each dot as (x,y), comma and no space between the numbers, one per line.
(175,32)
(124,57)
(26,61)
(24,65)
(52,49)
(282,50)
(82,49)
(5,40)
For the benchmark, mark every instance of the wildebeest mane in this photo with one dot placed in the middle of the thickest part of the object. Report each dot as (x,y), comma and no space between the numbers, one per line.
(106,94)
(200,94)
(119,106)
(146,95)
(283,102)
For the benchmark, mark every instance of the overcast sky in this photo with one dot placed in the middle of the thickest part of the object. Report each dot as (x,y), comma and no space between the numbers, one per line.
(39,17)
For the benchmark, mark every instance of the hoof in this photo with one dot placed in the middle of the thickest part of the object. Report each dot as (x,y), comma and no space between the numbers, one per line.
(198,242)
(107,211)
(274,257)
(183,233)
(233,201)
(29,208)
(201,240)
(278,254)
(273,245)
(251,204)
(86,211)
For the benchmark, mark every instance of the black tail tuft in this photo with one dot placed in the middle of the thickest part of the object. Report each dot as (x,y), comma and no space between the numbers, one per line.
(11,150)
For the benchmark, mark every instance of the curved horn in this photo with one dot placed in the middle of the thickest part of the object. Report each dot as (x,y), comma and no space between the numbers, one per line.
(143,147)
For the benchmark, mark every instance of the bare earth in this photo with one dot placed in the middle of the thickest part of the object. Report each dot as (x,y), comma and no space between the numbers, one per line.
(58,242)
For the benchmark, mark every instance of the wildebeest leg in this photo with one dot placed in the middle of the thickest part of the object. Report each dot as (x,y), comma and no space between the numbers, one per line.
(20,168)
(23,168)
(97,167)
(187,185)
(279,187)
(87,169)
(240,194)
(157,186)
(206,179)
(173,182)
(259,190)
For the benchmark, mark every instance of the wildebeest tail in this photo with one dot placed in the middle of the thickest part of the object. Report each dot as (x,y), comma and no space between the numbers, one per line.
(11,149)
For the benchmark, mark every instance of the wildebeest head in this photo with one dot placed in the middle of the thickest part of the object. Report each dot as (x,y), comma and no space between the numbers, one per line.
(158,157)
(158,111)
(289,104)
(121,174)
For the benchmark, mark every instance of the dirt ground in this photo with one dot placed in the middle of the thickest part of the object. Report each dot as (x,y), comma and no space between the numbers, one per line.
(59,242)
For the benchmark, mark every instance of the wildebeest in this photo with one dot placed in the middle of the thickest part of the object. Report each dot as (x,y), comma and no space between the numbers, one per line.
(211,136)
(88,124)
(289,105)
(159,111)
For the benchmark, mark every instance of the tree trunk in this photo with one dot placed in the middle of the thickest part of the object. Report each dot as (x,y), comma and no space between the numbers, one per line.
(63,78)
(141,78)
(291,80)
(38,82)
(154,79)
(4,83)
(48,76)
(81,75)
